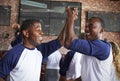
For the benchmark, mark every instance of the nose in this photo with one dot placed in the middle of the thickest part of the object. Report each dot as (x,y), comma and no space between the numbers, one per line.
(41,32)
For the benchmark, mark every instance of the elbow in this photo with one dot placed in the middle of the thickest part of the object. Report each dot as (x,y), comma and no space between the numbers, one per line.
(61,42)
(66,44)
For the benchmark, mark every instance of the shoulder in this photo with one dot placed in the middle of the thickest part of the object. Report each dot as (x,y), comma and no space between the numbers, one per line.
(100,43)
(53,43)
(10,59)
(103,48)
(17,48)
(15,52)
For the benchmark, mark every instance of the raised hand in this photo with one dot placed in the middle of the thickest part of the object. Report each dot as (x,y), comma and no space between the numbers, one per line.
(72,12)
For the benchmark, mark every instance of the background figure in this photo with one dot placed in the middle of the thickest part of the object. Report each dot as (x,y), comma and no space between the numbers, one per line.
(16,28)
(17,36)
(115,50)
(116,62)
(43,69)
(74,71)
(117,67)
(52,67)
(70,69)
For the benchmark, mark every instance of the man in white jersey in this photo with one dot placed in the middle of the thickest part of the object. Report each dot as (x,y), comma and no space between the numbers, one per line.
(52,67)
(23,61)
(97,54)
(70,69)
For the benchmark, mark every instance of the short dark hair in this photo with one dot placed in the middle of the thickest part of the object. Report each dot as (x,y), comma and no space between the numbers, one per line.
(100,19)
(28,24)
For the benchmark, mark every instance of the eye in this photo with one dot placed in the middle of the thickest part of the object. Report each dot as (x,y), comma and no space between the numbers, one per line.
(37,28)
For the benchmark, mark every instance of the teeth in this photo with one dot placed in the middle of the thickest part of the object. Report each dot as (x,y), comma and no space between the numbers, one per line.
(87,33)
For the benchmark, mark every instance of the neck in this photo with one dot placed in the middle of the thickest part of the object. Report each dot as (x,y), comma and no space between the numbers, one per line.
(28,45)
(100,36)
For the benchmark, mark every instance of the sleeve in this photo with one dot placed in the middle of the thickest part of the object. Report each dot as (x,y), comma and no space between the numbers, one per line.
(18,40)
(9,61)
(49,47)
(66,63)
(74,70)
(5,65)
(97,48)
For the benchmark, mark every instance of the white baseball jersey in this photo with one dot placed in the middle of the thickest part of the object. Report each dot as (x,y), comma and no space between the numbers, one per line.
(74,70)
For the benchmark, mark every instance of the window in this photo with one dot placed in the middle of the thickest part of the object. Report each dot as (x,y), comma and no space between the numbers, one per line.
(5,15)
(51,14)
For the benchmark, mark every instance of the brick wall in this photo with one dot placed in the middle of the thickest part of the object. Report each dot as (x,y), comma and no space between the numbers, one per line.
(91,5)
(4,42)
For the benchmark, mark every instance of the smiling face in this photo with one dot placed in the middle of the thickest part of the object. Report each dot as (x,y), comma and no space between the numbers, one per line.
(35,34)
(32,33)
(93,29)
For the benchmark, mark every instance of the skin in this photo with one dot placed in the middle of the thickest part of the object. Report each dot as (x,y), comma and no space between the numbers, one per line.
(93,29)
(2,79)
(64,36)
(62,78)
(72,15)
(33,36)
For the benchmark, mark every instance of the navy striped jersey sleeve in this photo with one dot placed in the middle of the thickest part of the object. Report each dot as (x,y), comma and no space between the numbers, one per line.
(49,47)
(18,40)
(9,60)
(97,48)
(64,65)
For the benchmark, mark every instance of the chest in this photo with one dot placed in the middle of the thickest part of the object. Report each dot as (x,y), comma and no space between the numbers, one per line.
(29,61)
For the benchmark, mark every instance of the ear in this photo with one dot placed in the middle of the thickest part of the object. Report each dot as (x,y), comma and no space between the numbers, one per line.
(25,33)
(102,30)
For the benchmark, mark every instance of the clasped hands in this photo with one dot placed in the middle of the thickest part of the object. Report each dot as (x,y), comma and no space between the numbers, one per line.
(72,12)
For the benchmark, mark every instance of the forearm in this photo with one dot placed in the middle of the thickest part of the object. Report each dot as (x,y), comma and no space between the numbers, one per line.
(71,17)
(49,47)
(62,78)
(70,34)
(61,36)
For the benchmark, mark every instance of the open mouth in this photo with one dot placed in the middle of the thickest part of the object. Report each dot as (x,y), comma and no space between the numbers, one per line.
(87,33)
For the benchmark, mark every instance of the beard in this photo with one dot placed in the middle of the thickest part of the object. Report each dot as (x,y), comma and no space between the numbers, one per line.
(34,43)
